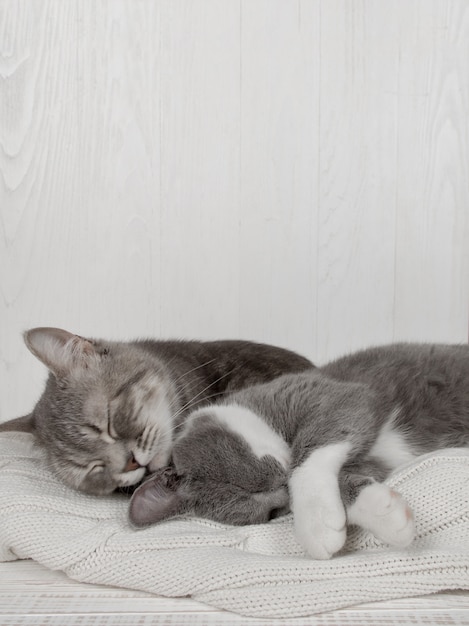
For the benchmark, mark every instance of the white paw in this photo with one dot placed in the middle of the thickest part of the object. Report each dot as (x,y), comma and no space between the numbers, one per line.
(385,513)
(320,527)
(126,479)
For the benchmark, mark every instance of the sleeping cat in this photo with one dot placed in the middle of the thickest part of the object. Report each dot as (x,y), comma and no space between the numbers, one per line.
(111,410)
(330,434)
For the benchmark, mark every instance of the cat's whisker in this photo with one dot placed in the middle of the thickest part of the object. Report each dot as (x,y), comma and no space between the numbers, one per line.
(214,382)
(214,395)
(193,370)
(183,390)
(192,406)
(173,402)
(190,403)
(150,437)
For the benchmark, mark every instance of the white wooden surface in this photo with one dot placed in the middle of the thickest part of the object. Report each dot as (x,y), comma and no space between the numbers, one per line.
(291,172)
(32,595)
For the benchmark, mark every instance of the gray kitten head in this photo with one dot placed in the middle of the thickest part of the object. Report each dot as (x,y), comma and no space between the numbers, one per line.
(105,414)
(216,476)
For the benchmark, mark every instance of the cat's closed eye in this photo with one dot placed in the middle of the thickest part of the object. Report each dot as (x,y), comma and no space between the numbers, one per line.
(105,432)
(95,467)
(91,429)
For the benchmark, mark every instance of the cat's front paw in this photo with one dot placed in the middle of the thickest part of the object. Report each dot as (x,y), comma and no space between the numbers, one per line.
(127,479)
(385,513)
(320,528)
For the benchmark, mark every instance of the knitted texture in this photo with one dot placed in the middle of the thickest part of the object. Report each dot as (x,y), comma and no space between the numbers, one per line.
(253,570)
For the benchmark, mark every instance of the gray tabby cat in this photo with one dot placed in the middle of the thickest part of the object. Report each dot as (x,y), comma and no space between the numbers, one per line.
(331,435)
(111,410)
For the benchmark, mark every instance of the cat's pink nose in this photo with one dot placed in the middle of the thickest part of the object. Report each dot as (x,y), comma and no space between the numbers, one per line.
(132,464)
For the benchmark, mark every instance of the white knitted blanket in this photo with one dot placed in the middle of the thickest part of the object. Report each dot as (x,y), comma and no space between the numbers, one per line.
(253,570)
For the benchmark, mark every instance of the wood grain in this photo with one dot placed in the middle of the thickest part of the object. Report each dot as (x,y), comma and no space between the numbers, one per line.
(285,172)
(432,246)
(200,100)
(357,186)
(279,172)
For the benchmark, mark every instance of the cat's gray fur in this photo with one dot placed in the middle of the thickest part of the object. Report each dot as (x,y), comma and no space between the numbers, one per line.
(111,410)
(347,425)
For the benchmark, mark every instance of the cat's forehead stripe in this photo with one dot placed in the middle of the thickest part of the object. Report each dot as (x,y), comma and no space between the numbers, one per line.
(130,383)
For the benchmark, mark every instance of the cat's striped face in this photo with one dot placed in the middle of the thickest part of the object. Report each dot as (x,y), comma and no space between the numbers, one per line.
(123,433)
(106,420)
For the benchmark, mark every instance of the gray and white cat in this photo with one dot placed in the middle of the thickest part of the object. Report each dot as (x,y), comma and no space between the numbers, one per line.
(330,436)
(111,410)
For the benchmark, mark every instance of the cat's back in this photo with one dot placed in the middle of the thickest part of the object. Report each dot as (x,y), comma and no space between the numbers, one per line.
(236,363)
(405,370)
(400,357)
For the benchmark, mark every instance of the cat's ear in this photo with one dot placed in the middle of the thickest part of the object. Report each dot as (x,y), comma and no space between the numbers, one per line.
(20,424)
(61,351)
(155,500)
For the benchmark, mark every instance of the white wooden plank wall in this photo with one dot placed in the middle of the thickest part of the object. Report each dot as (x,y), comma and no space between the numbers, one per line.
(291,172)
